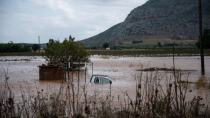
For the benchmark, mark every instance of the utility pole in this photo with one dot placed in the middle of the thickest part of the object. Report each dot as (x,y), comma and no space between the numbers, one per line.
(201,37)
(39,43)
(174,68)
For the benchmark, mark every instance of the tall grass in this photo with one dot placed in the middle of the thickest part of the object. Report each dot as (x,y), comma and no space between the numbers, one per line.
(157,96)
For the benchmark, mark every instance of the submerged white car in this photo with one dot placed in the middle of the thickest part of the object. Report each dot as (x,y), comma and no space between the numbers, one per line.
(101,79)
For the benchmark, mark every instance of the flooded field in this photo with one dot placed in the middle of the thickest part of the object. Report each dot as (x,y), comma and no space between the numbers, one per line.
(23,73)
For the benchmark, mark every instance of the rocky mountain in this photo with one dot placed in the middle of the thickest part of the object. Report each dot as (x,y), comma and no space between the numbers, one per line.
(174,19)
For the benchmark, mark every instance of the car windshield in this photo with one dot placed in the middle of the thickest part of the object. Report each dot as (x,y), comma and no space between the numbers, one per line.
(96,80)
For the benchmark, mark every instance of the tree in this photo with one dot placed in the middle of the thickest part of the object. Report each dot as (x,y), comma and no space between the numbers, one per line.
(206,39)
(71,38)
(51,41)
(105,45)
(35,47)
(12,47)
(68,51)
(159,44)
(10,42)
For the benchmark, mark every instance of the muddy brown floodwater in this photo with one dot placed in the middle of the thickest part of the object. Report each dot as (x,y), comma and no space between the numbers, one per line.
(23,73)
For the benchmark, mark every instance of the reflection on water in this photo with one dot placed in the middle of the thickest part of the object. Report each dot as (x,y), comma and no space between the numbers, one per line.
(23,73)
(202,82)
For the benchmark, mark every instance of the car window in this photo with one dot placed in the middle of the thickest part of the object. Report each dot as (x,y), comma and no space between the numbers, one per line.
(104,80)
(96,80)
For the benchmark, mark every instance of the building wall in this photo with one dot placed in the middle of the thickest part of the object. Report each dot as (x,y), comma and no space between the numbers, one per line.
(51,73)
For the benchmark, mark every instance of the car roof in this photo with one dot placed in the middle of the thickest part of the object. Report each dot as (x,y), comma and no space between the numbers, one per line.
(105,76)
(101,75)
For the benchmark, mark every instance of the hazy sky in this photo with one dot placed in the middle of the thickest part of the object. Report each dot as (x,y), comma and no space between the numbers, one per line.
(24,20)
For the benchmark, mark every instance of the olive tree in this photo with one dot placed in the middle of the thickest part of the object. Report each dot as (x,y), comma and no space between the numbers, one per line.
(68,51)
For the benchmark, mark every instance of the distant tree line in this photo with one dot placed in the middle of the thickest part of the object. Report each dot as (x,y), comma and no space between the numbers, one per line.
(12,47)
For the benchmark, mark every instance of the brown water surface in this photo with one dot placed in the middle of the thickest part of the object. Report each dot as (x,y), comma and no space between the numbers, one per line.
(23,74)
